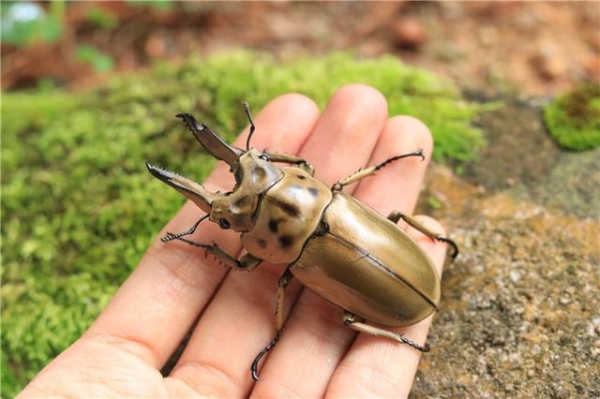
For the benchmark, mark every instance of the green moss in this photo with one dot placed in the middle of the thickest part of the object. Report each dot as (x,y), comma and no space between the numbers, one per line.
(79,208)
(573,119)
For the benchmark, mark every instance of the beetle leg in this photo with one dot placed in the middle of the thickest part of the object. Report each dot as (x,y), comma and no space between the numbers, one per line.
(254,367)
(396,216)
(171,236)
(362,173)
(350,321)
(293,160)
(246,263)
(284,280)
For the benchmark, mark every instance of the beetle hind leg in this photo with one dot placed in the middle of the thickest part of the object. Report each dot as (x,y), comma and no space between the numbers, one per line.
(350,321)
(396,216)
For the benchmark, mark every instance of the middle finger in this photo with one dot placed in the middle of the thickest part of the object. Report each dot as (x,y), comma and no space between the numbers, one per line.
(315,339)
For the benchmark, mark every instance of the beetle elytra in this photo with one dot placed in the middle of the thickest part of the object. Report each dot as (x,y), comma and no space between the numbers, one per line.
(333,244)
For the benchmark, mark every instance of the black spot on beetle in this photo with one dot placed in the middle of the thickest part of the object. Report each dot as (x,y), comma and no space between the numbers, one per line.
(313,191)
(290,209)
(273,225)
(262,243)
(285,241)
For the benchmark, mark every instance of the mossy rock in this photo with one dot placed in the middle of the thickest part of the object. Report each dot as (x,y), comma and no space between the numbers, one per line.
(79,208)
(573,119)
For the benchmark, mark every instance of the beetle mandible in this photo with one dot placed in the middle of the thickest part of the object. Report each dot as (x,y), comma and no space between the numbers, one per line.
(333,244)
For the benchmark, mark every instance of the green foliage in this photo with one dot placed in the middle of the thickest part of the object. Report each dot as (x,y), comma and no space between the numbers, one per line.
(162,5)
(99,61)
(24,23)
(101,18)
(257,79)
(27,22)
(573,119)
(79,208)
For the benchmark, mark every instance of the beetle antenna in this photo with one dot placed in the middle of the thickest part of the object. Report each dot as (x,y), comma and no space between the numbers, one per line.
(252,127)
(254,367)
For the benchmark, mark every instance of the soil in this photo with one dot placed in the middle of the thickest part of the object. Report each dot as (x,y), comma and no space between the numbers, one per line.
(535,48)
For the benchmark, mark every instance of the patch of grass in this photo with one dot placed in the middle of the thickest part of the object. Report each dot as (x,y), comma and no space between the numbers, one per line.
(79,208)
(573,119)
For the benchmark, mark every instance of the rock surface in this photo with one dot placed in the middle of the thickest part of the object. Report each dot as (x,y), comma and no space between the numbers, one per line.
(519,315)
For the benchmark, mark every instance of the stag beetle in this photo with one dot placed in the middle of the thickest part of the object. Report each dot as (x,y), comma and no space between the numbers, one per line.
(333,244)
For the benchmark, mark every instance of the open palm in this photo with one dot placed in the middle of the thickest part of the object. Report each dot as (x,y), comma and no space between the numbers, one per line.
(176,289)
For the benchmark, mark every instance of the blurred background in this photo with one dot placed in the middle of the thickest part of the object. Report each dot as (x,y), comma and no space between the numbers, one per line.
(538,48)
(510,91)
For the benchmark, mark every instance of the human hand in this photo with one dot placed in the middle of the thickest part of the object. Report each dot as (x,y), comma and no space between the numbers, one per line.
(123,351)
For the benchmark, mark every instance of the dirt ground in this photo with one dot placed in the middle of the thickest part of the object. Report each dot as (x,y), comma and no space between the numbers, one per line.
(533,48)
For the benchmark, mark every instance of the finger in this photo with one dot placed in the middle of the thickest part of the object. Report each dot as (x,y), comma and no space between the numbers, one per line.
(217,359)
(395,187)
(159,302)
(314,339)
(377,367)
(347,132)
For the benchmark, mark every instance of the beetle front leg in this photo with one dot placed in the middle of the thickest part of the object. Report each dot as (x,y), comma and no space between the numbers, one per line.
(292,160)
(246,263)
(350,321)
(396,216)
(362,173)
(171,236)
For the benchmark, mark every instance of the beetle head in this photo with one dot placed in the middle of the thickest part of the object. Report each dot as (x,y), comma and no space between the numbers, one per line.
(236,209)
(253,172)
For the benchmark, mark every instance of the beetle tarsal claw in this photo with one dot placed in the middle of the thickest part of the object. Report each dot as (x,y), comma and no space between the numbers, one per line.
(254,367)
(455,250)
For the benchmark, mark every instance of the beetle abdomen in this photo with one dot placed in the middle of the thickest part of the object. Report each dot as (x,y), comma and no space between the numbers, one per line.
(365,264)
(288,214)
